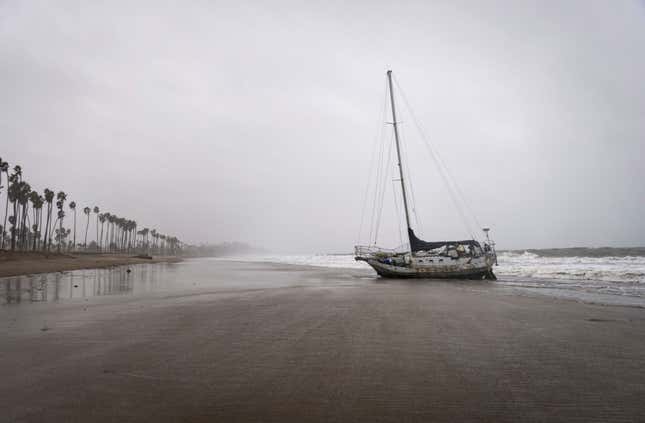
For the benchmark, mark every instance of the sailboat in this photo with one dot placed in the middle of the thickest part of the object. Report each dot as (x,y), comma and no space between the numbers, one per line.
(461,259)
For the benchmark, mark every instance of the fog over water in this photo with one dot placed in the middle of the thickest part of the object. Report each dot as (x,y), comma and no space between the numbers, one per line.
(255,121)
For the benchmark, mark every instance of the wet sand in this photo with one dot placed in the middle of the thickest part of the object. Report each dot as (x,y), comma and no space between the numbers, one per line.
(15,264)
(331,345)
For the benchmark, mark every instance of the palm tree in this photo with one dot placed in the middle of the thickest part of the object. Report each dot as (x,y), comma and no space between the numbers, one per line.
(4,167)
(36,206)
(102,218)
(138,244)
(163,243)
(153,235)
(49,198)
(23,201)
(61,233)
(96,211)
(61,197)
(14,195)
(132,230)
(110,235)
(121,226)
(27,232)
(87,211)
(144,234)
(72,206)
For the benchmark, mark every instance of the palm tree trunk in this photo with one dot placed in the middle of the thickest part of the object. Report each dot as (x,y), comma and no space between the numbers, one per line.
(17,214)
(24,226)
(49,213)
(60,234)
(2,234)
(97,231)
(101,242)
(86,228)
(40,223)
(51,233)
(35,210)
(13,226)
(6,210)
(19,225)
(74,246)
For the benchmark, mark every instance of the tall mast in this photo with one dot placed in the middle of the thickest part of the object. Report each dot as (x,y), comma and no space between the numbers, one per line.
(398,153)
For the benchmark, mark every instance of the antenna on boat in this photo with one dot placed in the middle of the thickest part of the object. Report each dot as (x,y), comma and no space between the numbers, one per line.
(489,243)
(398,155)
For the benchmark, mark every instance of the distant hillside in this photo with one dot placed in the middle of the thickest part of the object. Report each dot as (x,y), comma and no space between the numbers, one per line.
(219,250)
(586,252)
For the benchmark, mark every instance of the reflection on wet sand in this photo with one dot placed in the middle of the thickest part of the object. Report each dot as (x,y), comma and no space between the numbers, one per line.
(153,279)
(78,284)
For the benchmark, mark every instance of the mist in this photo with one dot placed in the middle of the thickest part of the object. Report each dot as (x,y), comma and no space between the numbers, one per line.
(255,122)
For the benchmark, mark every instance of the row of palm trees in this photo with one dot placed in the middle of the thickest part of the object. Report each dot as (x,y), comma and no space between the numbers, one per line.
(24,209)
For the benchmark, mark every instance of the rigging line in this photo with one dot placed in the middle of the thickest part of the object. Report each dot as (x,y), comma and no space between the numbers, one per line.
(383,188)
(380,168)
(408,172)
(453,197)
(455,191)
(380,186)
(396,206)
(450,180)
(455,185)
(387,175)
(377,179)
(378,171)
(442,168)
(378,136)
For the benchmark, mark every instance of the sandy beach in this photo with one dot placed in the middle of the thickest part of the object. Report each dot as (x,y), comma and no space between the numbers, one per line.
(286,343)
(24,263)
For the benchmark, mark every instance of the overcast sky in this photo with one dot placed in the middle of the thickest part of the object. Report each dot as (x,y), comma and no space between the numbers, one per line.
(255,121)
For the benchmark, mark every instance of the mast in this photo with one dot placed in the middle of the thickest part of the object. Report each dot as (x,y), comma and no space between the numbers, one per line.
(398,154)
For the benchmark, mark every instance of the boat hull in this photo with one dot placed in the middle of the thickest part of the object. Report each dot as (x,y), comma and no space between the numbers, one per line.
(429,272)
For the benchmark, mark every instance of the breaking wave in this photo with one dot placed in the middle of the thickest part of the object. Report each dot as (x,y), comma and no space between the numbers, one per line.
(606,279)
(627,269)
(584,252)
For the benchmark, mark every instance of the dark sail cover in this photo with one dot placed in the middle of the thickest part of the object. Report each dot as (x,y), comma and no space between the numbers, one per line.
(417,244)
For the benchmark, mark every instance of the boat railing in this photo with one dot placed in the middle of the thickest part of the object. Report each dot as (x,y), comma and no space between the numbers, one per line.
(367,251)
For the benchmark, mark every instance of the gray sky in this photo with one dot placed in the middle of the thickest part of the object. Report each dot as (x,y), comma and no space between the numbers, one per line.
(255,121)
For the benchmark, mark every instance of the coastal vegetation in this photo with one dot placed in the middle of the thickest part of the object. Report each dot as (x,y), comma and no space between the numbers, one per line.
(25,228)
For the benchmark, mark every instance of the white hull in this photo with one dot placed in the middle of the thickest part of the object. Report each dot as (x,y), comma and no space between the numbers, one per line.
(431,267)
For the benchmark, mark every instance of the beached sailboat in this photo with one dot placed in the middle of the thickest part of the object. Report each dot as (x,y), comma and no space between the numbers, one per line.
(463,259)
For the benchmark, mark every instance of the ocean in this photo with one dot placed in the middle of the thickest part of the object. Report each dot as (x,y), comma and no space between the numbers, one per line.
(591,277)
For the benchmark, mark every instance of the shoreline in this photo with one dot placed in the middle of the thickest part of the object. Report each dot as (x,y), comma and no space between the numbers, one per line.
(29,263)
(541,286)
(14,264)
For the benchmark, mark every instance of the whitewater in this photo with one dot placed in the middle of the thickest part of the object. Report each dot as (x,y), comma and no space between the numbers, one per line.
(607,280)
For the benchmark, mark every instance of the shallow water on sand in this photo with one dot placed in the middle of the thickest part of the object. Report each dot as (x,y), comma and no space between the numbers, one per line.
(144,280)
(208,275)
